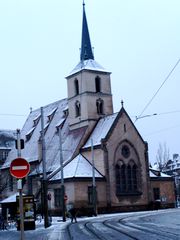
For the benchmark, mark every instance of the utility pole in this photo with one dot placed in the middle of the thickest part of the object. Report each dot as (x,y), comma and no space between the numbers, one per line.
(19,187)
(44,180)
(62,176)
(94,197)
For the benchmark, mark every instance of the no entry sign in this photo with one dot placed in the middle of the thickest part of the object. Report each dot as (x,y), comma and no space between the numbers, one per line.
(19,168)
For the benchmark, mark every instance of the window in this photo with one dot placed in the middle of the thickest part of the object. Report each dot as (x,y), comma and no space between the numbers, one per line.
(156,192)
(90,195)
(124,128)
(99,105)
(29,134)
(57,197)
(76,85)
(78,108)
(126,178)
(3,154)
(51,114)
(98,84)
(36,120)
(120,178)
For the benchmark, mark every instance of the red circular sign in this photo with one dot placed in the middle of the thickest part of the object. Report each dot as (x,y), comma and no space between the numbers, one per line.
(19,168)
(65,197)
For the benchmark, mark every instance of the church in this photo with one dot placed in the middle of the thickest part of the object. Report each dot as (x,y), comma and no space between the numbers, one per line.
(97,155)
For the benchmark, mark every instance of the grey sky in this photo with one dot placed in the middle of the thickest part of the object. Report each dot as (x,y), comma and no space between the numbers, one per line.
(137,40)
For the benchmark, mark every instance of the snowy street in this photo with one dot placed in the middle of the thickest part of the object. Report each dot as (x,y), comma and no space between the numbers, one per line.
(161,224)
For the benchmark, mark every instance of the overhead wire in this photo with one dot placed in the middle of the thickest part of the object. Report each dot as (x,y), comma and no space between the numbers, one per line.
(12,114)
(167,77)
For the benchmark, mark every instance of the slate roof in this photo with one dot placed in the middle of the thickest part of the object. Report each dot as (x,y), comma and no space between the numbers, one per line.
(7,138)
(101,130)
(89,64)
(32,128)
(79,167)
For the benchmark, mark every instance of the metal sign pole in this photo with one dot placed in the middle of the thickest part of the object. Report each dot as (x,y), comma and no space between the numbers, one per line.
(20,189)
(21,209)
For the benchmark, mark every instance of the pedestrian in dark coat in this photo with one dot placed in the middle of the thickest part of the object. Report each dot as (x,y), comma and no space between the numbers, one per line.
(3,224)
(73,213)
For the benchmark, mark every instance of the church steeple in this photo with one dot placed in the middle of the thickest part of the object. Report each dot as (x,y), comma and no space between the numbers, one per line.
(89,87)
(86,49)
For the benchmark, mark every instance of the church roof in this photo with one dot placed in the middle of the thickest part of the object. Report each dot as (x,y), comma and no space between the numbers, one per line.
(101,130)
(89,64)
(53,117)
(79,167)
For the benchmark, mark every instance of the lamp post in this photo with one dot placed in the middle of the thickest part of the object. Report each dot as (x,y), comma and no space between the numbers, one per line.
(94,197)
(44,181)
(62,176)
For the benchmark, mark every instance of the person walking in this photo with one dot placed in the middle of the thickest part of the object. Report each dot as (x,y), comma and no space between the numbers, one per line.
(4,226)
(73,214)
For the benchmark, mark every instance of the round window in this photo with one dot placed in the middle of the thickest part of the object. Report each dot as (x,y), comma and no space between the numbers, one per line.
(125,151)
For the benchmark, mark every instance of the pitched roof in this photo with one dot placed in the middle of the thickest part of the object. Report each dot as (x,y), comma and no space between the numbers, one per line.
(11,199)
(157,174)
(89,64)
(79,167)
(101,130)
(70,139)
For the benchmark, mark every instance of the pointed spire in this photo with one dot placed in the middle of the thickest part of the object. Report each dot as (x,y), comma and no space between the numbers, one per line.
(86,49)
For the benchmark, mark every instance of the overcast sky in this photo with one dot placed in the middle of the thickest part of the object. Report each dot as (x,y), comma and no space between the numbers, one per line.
(137,40)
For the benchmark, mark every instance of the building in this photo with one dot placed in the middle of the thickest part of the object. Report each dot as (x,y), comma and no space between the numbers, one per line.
(172,168)
(105,159)
(7,142)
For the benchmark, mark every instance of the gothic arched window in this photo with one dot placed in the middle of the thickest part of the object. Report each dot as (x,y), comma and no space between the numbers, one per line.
(120,172)
(78,108)
(76,85)
(98,84)
(134,177)
(126,178)
(99,105)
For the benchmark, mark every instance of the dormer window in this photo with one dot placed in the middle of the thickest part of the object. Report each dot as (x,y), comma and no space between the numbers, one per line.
(65,112)
(29,134)
(36,120)
(98,84)
(99,105)
(76,85)
(51,114)
(78,108)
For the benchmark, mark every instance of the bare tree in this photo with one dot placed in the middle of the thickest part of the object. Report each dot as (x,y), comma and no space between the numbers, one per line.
(162,156)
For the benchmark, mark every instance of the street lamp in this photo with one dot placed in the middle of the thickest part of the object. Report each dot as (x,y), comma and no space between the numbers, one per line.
(62,176)
(94,195)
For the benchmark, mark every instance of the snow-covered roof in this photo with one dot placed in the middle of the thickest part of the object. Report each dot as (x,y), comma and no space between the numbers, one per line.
(7,139)
(89,64)
(70,139)
(79,167)
(155,173)
(101,130)
(9,134)
(11,198)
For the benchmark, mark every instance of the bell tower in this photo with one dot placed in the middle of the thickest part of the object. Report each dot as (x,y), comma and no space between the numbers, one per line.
(89,86)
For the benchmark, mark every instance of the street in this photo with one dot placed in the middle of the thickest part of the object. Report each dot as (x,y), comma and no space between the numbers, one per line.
(160,224)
